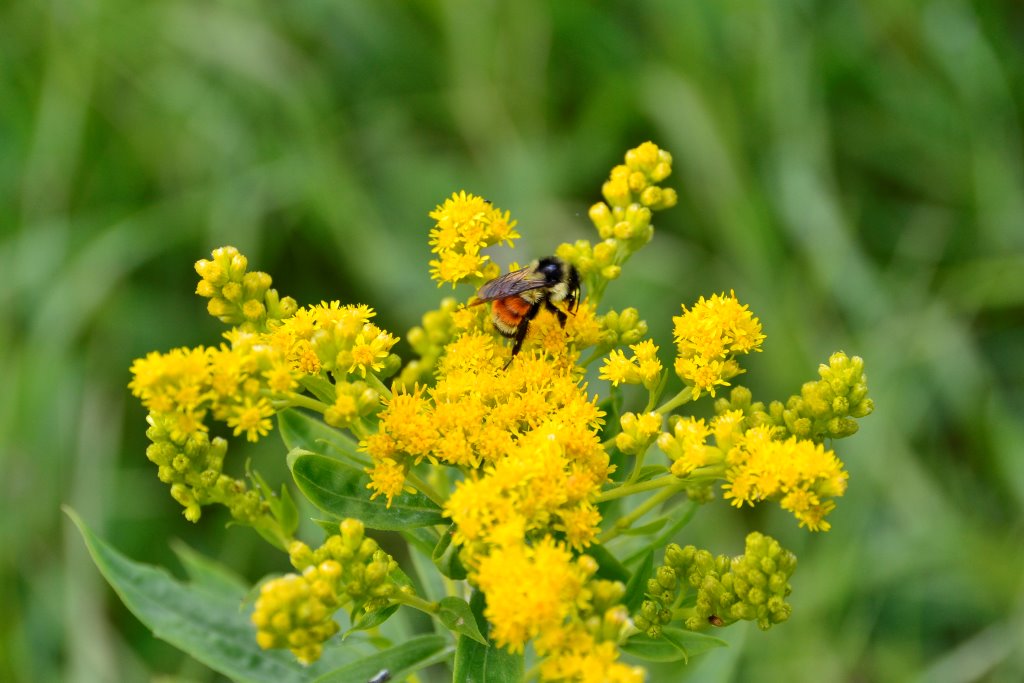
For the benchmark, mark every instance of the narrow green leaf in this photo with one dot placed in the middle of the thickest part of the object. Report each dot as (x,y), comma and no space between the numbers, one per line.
(476,663)
(207,625)
(683,514)
(446,557)
(692,642)
(650,649)
(650,471)
(608,565)
(368,620)
(205,572)
(299,429)
(399,661)
(637,585)
(457,616)
(649,528)
(341,490)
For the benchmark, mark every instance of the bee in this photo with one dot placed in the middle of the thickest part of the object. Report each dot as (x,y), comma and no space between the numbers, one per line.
(517,297)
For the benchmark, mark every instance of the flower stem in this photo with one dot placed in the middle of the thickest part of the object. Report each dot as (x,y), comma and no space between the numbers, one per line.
(374,381)
(682,398)
(416,602)
(627,521)
(291,399)
(629,489)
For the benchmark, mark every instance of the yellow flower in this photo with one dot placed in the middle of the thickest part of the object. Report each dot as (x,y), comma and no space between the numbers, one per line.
(465,224)
(618,369)
(370,353)
(709,336)
(800,472)
(251,417)
(387,478)
(530,590)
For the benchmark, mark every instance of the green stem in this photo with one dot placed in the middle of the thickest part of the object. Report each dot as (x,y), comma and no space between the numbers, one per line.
(638,463)
(682,398)
(426,488)
(629,489)
(627,521)
(667,534)
(374,381)
(293,400)
(655,395)
(416,602)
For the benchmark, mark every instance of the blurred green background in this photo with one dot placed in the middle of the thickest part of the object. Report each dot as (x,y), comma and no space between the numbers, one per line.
(854,170)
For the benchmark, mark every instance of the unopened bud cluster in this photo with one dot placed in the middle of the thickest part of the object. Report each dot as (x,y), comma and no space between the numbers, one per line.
(605,617)
(192,464)
(296,611)
(428,341)
(751,587)
(638,431)
(237,297)
(623,219)
(622,328)
(824,409)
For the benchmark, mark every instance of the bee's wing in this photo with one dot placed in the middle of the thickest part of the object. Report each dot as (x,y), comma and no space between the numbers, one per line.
(510,284)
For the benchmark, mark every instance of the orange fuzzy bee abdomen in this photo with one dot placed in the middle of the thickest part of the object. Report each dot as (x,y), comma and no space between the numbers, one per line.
(507,313)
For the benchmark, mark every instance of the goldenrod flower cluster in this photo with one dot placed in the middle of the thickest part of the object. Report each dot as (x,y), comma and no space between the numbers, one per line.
(273,349)
(802,475)
(709,336)
(296,611)
(477,414)
(464,225)
(643,367)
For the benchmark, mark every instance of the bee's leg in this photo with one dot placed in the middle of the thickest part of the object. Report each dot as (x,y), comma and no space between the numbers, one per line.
(524,327)
(562,317)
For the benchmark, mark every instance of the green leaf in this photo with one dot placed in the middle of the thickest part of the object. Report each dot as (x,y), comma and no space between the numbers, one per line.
(683,514)
(675,644)
(446,557)
(637,585)
(609,567)
(399,661)
(456,614)
(341,490)
(476,663)
(649,528)
(692,642)
(301,430)
(208,625)
(650,649)
(206,572)
(367,620)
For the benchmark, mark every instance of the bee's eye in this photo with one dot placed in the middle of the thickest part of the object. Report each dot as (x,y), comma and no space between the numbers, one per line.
(551,271)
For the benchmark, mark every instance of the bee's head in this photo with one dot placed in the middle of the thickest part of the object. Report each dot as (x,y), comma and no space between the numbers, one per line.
(563,278)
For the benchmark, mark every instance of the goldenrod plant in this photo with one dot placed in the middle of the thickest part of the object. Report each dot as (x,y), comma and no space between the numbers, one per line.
(539,508)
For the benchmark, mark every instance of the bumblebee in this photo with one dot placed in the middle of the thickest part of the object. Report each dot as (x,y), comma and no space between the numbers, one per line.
(517,297)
